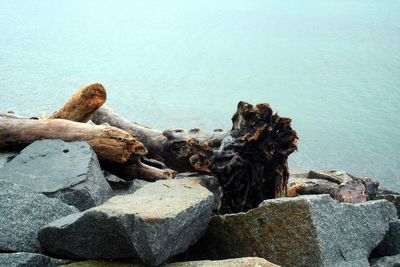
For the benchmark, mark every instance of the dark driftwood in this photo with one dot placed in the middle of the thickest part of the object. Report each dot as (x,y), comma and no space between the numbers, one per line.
(250,161)
(171,146)
(82,104)
(109,143)
(135,169)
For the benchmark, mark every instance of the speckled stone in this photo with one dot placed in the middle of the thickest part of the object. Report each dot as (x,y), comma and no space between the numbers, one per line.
(69,171)
(303,231)
(22,214)
(240,262)
(24,259)
(159,220)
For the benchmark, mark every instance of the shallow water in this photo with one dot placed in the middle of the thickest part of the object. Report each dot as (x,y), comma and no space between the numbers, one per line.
(332,66)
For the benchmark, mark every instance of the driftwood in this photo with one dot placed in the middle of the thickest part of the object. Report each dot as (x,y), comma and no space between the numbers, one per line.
(82,104)
(134,168)
(345,188)
(250,161)
(109,143)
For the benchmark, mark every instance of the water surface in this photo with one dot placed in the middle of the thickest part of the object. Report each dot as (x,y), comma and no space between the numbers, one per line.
(332,66)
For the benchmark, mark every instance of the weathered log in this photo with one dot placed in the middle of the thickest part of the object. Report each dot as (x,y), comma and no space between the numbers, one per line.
(351,189)
(135,169)
(170,147)
(324,176)
(250,161)
(82,104)
(109,143)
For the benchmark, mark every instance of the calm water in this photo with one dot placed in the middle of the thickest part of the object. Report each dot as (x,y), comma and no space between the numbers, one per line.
(332,66)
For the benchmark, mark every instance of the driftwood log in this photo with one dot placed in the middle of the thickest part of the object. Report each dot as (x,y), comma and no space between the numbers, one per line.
(134,168)
(109,143)
(82,104)
(344,188)
(80,108)
(250,161)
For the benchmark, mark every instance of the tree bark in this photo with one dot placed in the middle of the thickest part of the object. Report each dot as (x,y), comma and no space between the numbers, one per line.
(82,104)
(109,143)
(136,169)
(170,147)
(250,161)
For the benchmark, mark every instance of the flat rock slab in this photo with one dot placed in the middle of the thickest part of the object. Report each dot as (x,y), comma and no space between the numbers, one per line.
(159,220)
(209,182)
(240,262)
(20,259)
(69,171)
(301,231)
(23,213)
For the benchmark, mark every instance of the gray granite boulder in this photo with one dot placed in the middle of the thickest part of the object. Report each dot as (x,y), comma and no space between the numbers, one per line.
(240,262)
(390,245)
(302,231)
(209,182)
(388,261)
(69,171)
(159,220)
(23,213)
(124,187)
(21,259)
(6,157)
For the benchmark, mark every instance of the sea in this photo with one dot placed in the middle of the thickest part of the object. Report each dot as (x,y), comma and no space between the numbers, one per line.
(331,66)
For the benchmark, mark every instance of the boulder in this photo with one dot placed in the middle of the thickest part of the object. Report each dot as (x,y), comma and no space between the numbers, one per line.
(390,245)
(104,263)
(240,262)
(124,187)
(159,220)
(388,261)
(23,213)
(208,181)
(302,231)
(392,197)
(6,157)
(69,171)
(20,259)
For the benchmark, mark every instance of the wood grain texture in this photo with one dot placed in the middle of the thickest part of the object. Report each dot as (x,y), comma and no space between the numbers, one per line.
(109,143)
(82,104)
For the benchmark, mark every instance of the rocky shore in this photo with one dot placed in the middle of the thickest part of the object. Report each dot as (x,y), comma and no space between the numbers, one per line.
(87,187)
(59,208)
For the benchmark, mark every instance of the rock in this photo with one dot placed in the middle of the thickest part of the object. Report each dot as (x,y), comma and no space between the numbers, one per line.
(114,180)
(392,197)
(388,261)
(69,171)
(6,157)
(390,245)
(302,231)
(159,220)
(20,259)
(240,262)
(123,187)
(23,213)
(209,182)
(296,180)
(104,263)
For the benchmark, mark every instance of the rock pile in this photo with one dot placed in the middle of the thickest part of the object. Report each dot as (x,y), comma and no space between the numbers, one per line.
(58,208)
(69,171)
